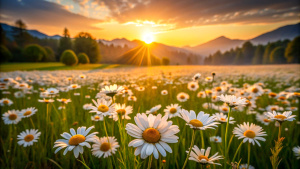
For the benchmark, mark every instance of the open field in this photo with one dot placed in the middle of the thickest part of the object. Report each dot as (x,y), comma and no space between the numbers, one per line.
(53,66)
(267,88)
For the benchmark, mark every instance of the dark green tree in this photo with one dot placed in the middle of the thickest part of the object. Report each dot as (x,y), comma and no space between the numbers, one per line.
(84,43)
(267,52)
(65,42)
(69,58)
(239,58)
(20,34)
(292,52)
(34,53)
(165,61)
(248,51)
(83,58)
(5,54)
(277,55)
(258,55)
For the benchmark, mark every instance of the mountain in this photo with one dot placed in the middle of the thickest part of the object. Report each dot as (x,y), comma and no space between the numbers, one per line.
(223,43)
(282,33)
(121,42)
(9,32)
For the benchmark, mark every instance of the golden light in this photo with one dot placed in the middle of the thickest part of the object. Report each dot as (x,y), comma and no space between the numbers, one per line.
(148,37)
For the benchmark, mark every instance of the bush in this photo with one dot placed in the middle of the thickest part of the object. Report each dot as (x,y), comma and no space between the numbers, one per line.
(68,57)
(165,61)
(34,53)
(5,54)
(83,58)
(50,55)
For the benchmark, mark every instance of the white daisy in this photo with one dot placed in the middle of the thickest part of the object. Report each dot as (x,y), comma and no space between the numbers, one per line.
(28,137)
(46,100)
(164,92)
(52,91)
(6,102)
(97,118)
(87,106)
(152,134)
(193,86)
(200,122)
(75,141)
(281,117)
(201,156)
(102,107)
(104,147)
(245,166)
(196,76)
(215,139)
(121,110)
(263,118)
(182,97)
(250,133)
(255,90)
(296,151)
(28,112)
(173,110)
(220,117)
(153,110)
(12,117)
(64,101)
(112,90)
(232,100)
(132,98)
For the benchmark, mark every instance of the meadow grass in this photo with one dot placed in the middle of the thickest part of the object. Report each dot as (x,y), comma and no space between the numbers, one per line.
(41,154)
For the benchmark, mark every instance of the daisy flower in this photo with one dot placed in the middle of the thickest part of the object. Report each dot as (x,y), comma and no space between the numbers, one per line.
(281,117)
(245,166)
(112,90)
(272,108)
(232,100)
(97,118)
(201,156)
(196,76)
(220,117)
(6,102)
(104,146)
(75,141)
(255,90)
(102,107)
(182,97)
(132,98)
(250,133)
(28,112)
(153,110)
(263,118)
(140,88)
(164,92)
(87,106)
(209,79)
(52,91)
(121,110)
(173,110)
(74,86)
(200,122)
(193,86)
(12,117)
(296,151)
(46,100)
(28,137)
(215,139)
(152,134)
(64,101)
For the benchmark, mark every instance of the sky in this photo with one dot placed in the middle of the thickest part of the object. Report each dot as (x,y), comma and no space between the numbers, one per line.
(172,22)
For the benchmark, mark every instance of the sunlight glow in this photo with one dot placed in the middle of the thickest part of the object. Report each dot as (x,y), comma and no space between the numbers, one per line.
(148,37)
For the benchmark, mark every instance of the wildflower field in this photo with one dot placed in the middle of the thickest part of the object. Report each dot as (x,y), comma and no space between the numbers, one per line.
(152,117)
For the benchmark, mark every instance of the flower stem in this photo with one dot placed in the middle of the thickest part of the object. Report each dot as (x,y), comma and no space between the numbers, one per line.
(150,162)
(202,139)
(237,151)
(226,133)
(192,143)
(279,132)
(248,163)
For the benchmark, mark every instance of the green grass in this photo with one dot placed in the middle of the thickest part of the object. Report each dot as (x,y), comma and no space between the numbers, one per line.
(6,67)
(41,154)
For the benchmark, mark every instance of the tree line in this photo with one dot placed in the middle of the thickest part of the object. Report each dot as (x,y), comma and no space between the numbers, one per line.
(279,52)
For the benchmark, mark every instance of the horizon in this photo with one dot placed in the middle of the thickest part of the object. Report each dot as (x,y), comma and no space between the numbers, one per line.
(105,19)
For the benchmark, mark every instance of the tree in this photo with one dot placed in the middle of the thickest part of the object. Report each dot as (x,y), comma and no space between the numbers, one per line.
(69,58)
(5,54)
(34,53)
(20,34)
(277,55)
(83,58)
(84,43)
(258,55)
(292,52)
(165,61)
(239,58)
(267,52)
(65,42)
(2,36)
(50,57)
(248,52)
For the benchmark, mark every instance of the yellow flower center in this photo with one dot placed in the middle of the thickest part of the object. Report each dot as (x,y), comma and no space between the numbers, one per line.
(103,108)
(27,113)
(21,85)
(51,91)
(151,135)
(279,116)
(29,138)
(182,97)
(202,157)
(249,134)
(193,86)
(5,101)
(225,109)
(173,110)
(272,94)
(97,117)
(74,86)
(267,120)
(196,123)
(218,89)
(281,98)
(105,147)
(121,111)
(216,139)
(76,139)
(12,117)
(222,119)
(254,90)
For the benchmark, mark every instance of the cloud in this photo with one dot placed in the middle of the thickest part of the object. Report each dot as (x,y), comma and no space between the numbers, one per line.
(47,14)
(186,13)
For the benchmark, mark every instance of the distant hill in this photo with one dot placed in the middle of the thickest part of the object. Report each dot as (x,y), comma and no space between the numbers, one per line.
(223,43)
(9,32)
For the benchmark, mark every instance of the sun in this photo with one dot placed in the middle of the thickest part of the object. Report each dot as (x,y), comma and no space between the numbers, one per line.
(148,37)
